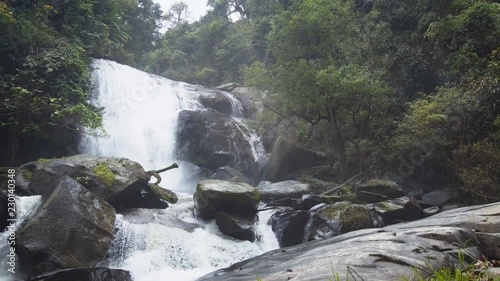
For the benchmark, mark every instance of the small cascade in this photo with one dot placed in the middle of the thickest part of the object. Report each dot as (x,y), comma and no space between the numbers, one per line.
(250,135)
(153,244)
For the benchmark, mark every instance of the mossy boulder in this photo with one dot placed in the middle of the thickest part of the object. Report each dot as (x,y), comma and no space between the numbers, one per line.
(119,181)
(288,157)
(339,218)
(213,196)
(377,190)
(71,229)
(103,176)
(230,174)
(163,193)
(397,210)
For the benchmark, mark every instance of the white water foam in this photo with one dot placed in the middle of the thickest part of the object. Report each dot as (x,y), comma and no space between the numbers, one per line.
(25,207)
(140,118)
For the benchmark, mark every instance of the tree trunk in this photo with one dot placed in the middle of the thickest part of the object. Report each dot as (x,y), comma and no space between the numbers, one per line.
(338,141)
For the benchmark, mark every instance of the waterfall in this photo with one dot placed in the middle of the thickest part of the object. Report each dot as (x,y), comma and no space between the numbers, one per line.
(140,119)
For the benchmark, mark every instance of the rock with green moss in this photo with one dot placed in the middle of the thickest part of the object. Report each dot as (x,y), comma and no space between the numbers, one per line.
(376,190)
(341,217)
(163,193)
(288,157)
(214,196)
(71,229)
(116,180)
(397,210)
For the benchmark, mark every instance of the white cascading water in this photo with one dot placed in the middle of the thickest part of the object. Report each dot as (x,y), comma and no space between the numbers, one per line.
(140,120)
(25,207)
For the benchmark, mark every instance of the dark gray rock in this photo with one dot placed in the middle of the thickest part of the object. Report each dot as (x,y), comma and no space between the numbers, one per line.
(439,197)
(211,140)
(293,203)
(72,229)
(236,226)
(341,217)
(289,226)
(216,101)
(230,174)
(116,180)
(86,274)
(311,200)
(288,157)
(378,190)
(284,189)
(379,254)
(4,214)
(397,210)
(450,206)
(213,196)
(427,212)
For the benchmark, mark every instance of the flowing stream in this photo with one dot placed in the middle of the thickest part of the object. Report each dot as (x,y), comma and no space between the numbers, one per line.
(140,120)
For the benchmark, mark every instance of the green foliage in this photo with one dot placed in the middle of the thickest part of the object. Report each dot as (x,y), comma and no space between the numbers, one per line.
(462,272)
(478,168)
(45,50)
(103,172)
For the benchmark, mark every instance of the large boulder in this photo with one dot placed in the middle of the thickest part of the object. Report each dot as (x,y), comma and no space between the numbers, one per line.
(230,174)
(285,189)
(397,210)
(213,196)
(72,229)
(288,157)
(86,274)
(439,197)
(289,226)
(380,254)
(378,190)
(339,218)
(211,140)
(116,180)
(236,226)
(216,101)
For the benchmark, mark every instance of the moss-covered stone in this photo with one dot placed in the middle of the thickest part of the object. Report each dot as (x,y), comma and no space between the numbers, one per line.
(163,193)
(103,172)
(341,217)
(214,196)
(27,174)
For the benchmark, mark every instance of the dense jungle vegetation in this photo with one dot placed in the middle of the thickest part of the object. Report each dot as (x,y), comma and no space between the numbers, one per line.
(408,89)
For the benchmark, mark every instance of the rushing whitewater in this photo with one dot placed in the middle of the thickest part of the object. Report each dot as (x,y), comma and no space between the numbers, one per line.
(25,207)
(140,119)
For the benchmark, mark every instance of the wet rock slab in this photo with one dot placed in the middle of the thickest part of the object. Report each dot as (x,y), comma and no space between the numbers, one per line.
(381,253)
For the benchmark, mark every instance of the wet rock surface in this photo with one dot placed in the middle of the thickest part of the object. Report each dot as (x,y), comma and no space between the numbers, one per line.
(86,274)
(213,196)
(71,229)
(284,189)
(381,253)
